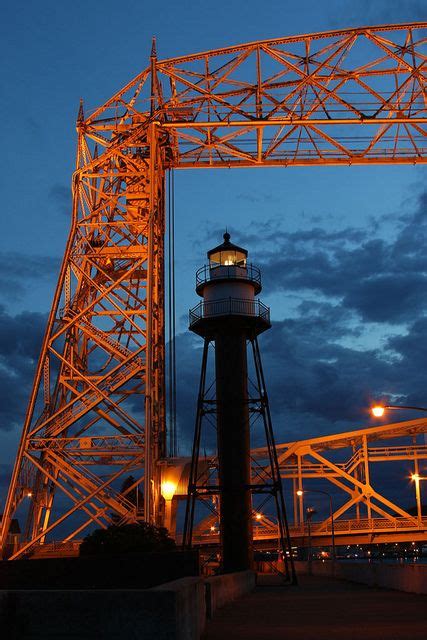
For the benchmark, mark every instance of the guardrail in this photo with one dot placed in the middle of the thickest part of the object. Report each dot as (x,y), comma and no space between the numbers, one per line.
(341,527)
(229,306)
(225,272)
(362,525)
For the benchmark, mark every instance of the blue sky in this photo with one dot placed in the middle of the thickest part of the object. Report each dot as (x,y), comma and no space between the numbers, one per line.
(327,340)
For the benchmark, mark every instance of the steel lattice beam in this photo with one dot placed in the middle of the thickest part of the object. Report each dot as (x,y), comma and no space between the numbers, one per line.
(97,408)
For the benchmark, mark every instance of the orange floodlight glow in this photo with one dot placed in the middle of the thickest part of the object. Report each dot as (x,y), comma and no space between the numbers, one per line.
(168,490)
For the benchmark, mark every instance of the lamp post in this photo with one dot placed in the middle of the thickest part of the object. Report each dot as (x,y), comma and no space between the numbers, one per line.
(309,513)
(417,478)
(379,409)
(301,492)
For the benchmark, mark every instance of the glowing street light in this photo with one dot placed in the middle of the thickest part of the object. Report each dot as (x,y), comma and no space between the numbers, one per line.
(258,516)
(168,490)
(415,477)
(301,492)
(379,409)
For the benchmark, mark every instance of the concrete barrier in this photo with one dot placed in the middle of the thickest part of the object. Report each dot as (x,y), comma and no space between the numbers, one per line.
(225,588)
(173,611)
(411,578)
(118,571)
(186,598)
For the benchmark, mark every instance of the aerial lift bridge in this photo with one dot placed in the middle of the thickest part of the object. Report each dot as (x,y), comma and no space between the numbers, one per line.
(97,410)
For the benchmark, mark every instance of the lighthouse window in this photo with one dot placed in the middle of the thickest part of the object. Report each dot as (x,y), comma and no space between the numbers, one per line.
(228,258)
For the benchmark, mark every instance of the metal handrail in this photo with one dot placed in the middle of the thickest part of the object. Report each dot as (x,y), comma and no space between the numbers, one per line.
(363,524)
(229,306)
(341,527)
(233,272)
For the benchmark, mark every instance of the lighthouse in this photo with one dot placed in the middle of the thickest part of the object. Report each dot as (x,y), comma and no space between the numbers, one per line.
(230,315)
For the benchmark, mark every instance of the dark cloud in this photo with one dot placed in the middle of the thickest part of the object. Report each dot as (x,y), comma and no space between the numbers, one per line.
(189,356)
(383,280)
(20,342)
(18,270)
(316,384)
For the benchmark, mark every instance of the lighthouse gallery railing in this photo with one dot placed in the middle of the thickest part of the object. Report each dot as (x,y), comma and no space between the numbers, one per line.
(229,306)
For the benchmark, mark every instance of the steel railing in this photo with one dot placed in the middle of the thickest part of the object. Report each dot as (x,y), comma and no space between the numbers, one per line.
(224,272)
(361,524)
(341,528)
(229,306)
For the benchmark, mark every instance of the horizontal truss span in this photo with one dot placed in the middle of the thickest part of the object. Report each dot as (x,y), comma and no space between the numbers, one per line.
(351,96)
(376,517)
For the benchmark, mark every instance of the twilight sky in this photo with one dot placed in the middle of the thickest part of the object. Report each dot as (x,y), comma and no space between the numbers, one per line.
(342,249)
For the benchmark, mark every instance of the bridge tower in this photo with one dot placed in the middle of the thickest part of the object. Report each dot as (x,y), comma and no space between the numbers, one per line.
(96,414)
(231,318)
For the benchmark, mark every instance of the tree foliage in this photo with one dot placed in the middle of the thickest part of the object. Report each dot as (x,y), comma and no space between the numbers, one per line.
(128,538)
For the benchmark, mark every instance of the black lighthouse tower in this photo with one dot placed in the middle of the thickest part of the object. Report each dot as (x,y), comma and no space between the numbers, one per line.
(231,317)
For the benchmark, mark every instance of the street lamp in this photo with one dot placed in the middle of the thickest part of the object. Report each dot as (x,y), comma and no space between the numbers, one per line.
(379,409)
(301,492)
(309,513)
(415,477)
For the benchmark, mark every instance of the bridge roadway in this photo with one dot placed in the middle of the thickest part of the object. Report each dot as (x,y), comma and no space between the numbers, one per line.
(354,531)
(320,609)
(347,532)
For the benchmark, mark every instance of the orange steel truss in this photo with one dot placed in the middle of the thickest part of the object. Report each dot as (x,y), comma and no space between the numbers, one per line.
(343,464)
(97,409)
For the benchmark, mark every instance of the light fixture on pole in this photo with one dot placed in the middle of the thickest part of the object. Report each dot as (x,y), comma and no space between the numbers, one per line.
(301,492)
(378,410)
(309,513)
(415,477)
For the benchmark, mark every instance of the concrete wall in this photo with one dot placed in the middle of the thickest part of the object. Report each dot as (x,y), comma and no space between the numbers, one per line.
(402,577)
(186,598)
(225,588)
(174,611)
(125,571)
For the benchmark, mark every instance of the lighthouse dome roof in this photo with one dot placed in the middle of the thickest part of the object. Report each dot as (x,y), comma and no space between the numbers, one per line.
(227,253)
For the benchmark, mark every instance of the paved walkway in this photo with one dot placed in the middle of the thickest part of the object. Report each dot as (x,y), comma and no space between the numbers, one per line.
(321,609)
